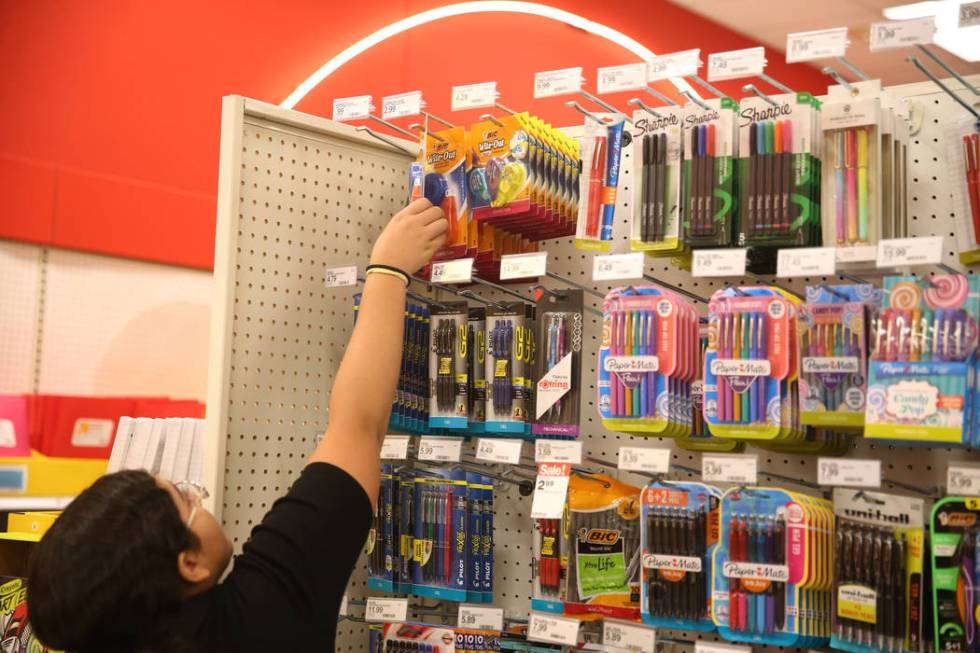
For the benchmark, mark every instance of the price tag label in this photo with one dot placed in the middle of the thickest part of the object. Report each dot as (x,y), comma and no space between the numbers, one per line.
(343,606)
(629,636)
(738,468)
(675,64)
(352,108)
(644,459)
(718,262)
(557,451)
(553,630)
(480,618)
(733,64)
(456,271)
(963,479)
(474,96)
(969,15)
(806,262)
(401,105)
(818,44)
(550,490)
(910,251)
(386,609)
(523,266)
(621,78)
(902,33)
(337,277)
(442,449)
(499,450)
(395,447)
(557,82)
(712,647)
(611,267)
(849,472)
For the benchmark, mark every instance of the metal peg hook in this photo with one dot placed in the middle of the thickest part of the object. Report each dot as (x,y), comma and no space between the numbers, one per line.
(772,82)
(489,116)
(469,294)
(425,130)
(829,70)
(439,120)
(942,64)
(696,100)
(963,103)
(503,289)
(505,109)
(948,270)
(392,126)
(660,96)
(386,140)
(836,293)
(772,284)
(677,289)
(586,289)
(754,89)
(640,103)
(578,107)
(854,69)
(558,295)
(708,87)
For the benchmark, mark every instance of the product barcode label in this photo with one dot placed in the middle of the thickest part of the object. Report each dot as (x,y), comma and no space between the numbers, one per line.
(338,277)
(480,618)
(718,262)
(614,79)
(613,267)
(849,472)
(474,96)
(818,44)
(352,108)
(557,82)
(401,105)
(733,64)
(736,468)
(379,609)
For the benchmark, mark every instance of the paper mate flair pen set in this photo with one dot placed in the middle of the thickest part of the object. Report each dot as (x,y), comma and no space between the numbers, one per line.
(655,225)
(833,328)
(647,361)
(558,377)
(601,155)
(678,538)
(921,378)
(879,545)
(954,554)
(509,368)
(710,147)
(772,568)
(448,357)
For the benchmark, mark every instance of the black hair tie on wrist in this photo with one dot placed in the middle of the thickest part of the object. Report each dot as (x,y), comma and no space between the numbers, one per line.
(390,269)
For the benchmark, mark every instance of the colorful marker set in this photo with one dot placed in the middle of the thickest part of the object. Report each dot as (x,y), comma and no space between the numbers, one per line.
(922,376)
(878,572)
(680,532)
(509,360)
(955,564)
(648,360)
(559,364)
(708,205)
(766,590)
(601,156)
(655,226)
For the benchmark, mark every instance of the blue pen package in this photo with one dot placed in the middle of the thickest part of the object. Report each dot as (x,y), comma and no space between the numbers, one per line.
(508,367)
(612,178)
(601,152)
(439,555)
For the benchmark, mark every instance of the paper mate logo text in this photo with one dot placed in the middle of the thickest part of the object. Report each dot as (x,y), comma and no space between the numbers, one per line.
(631,363)
(605,536)
(757,114)
(756,571)
(740,367)
(826,364)
(673,563)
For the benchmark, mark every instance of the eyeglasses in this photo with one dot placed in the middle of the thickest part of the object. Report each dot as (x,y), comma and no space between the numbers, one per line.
(195,494)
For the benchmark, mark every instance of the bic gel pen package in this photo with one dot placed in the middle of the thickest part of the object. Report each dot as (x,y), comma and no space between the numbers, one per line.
(680,533)
(476,391)
(509,368)
(446,162)
(708,202)
(498,178)
(448,402)
(559,364)
(655,206)
(879,546)
(601,156)
(955,565)
(440,534)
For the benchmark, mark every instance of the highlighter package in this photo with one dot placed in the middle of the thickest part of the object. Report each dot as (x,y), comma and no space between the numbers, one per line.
(509,367)
(955,565)
(446,162)
(448,352)
(476,391)
(498,176)
(601,156)
(963,165)
(655,206)
(779,171)
(557,391)
(879,546)
(679,536)
(710,148)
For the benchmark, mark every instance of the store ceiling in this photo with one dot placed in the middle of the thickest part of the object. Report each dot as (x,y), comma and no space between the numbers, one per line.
(769,21)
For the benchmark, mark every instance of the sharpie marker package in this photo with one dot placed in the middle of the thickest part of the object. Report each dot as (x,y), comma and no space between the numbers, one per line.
(955,563)
(559,364)
(476,392)
(710,150)
(679,535)
(449,350)
(440,532)
(510,340)
(498,176)
(655,207)
(601,154)
(879,544)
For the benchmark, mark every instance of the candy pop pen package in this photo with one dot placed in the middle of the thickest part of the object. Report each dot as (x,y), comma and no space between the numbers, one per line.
(955,564)
(601,155)
(710,148)
(449,381)
(559,364)
(655,207)
(510,347)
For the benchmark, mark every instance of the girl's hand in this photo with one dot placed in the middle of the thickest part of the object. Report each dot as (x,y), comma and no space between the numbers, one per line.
(411,238)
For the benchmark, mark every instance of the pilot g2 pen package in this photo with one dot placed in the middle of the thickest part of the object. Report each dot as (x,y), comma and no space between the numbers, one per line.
(679,535)
(509,374)
(448,351)
(710,147)
(476,392)
(601,156)
(955,564)
(655,206)
(879,546)
(559,364)
(772,568)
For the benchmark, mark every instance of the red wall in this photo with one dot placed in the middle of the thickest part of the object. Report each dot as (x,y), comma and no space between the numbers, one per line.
(111,109)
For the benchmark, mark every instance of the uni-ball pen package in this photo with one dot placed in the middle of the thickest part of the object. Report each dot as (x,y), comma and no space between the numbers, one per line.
(954,552)
(509,372)
(559,364)
(708,196)
(655,206)
(448,352)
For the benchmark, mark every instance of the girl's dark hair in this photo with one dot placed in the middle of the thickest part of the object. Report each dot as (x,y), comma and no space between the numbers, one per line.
(104,577)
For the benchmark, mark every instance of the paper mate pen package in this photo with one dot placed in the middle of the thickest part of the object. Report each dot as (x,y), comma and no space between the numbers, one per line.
(655,207)
(498,178)
(440,553)
(476,392)
(446,162)
(508,368)
(448,353)
(879,544)
(678,537)
(559,364)
(954,543)
(708,194)
(601,156)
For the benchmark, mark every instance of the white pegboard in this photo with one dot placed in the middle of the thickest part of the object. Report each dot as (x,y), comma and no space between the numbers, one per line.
(299,194)
(21,272)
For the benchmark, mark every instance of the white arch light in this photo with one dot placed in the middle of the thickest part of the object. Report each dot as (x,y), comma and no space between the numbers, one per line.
(460,9)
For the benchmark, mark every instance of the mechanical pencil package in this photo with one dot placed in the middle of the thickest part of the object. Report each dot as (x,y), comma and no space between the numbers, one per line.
(476,392)
(655,206)
(440,532)
(498,176)
(954,528)
(509,371)
(601,154)
(710,148)
(449,331)
(559,364)
(446,164)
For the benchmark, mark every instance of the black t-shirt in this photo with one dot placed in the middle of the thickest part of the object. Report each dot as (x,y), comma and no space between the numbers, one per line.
(284,591)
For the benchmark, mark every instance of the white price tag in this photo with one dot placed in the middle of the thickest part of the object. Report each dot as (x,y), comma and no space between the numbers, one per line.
(736,468)
(499,450)
(969,15)
(523,266)
(806,262)
(343,606)
(386,609)
(477,617)
(818,44)
(963,479)
(474,96)
(456,271)
(718,262)
(401,105)
(550,490)
(552,629)
(630,77)
(675,64)
(337,277)
(557,82)
(612,267)
(713,647)
(629,636)
(849,472)
(902,33)
(644,459)
(442,449)
(558,451)
(733,64)
(910,251)
(395,447)
(352,108)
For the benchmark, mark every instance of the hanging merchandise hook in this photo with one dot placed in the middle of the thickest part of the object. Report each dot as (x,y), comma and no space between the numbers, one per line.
(439,120)
(503,289)
(696,100)
(708,87)
(385,139)
(677,289)
(835,293)
(948,270)
(854,69)
(490,117)
(752,88)
(773,284)
(605,105)
(942,64)
(578,107)
(558,295)
(963,103)
(829,70)
(660,96)
(392,126)
(505,108)
(640,103)
(422,128)
(587,290)
(469,294)
(773,82)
